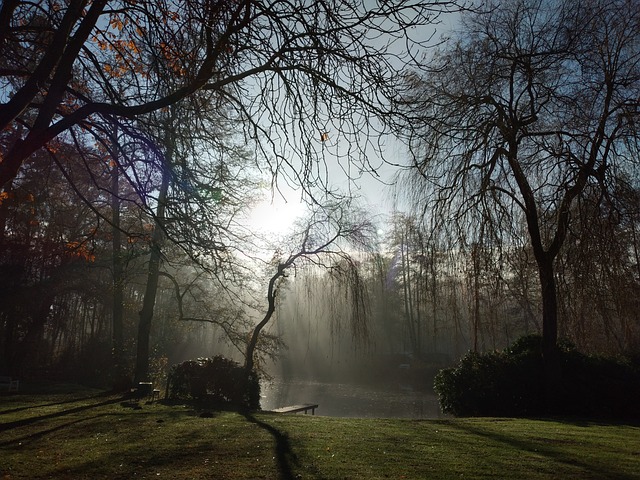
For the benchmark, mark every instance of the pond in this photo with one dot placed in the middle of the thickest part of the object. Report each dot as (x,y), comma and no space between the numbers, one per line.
(352,400)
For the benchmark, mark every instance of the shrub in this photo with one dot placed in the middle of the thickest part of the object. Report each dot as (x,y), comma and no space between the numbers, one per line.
(490,384)
(519,382)
(215,380)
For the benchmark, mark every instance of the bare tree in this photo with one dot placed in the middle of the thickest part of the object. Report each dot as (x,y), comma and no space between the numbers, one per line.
(331,238)
(203,184)
(533,103)
(117,313)
(598,276)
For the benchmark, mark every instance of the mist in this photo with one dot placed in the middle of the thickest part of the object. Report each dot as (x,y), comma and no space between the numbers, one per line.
(346,374)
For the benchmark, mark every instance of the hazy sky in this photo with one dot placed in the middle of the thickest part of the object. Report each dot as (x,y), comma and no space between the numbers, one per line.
(276,214)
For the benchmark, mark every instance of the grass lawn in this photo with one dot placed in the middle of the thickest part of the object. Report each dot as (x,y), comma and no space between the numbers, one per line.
(86,434)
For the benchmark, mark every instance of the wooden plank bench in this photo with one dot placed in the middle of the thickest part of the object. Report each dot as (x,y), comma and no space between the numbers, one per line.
(298,408)
(11,384)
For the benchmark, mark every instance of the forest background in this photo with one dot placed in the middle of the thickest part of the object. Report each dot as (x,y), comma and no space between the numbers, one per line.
(138,137)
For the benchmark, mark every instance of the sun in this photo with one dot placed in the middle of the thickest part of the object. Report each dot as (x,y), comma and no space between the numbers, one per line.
(275,215)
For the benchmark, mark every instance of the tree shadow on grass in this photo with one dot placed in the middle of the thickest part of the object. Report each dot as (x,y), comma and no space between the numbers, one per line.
(550,449)
(40,418)
(284,454)
(37,435)
(52,404)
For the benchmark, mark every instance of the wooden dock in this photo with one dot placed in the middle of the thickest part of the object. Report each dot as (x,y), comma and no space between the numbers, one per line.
(298,408)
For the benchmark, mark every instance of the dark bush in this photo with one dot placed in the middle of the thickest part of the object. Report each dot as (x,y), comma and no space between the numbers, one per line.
(519,381)
(490,384)
(215,380)
(532,344)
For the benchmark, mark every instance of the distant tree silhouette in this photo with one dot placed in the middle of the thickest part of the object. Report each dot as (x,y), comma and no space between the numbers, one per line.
(330,239)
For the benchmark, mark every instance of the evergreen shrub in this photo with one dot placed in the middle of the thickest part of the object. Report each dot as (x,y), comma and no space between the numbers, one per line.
(216,380)
(520,382)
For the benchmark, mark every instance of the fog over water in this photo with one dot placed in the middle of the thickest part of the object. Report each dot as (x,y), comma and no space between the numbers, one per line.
(324,364)
(351,400)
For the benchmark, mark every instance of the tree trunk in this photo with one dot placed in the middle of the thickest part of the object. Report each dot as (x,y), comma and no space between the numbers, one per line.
(476,294)
(253,340)
(146,314)
(549,306)
(544,257)
(149,301)
(434,296)
(119,376)
(406,288)
(550,359)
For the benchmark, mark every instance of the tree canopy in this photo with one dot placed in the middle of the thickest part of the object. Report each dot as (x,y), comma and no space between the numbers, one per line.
(291,72)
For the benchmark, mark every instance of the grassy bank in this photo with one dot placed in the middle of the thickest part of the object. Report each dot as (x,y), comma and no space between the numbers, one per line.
(90,435)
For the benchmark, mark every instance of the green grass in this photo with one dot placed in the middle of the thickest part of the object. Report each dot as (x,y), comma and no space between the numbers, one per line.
(89,435)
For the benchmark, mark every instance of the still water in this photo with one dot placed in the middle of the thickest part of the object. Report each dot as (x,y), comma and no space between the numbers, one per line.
(348,400)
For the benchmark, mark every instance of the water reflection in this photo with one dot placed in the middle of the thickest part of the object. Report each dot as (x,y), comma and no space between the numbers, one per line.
(348,400)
